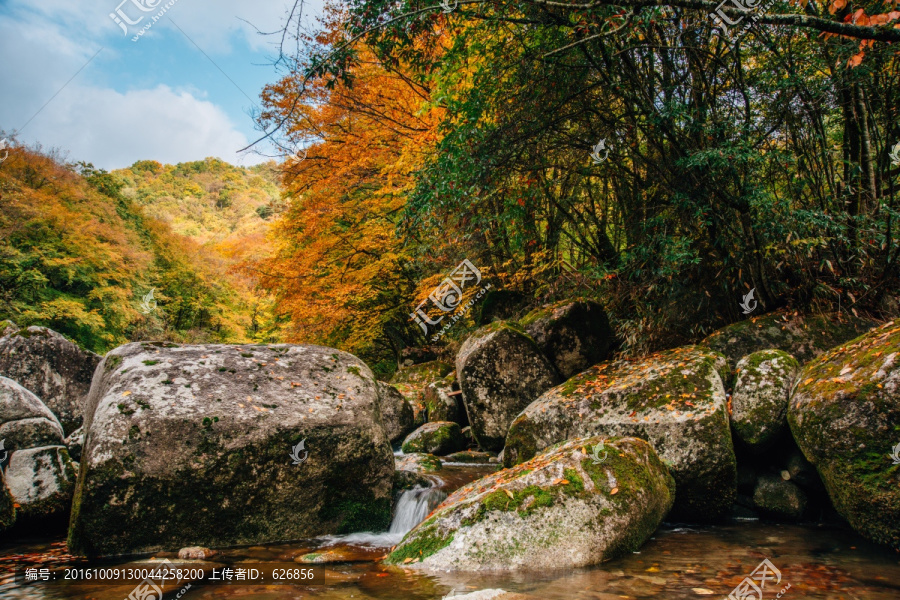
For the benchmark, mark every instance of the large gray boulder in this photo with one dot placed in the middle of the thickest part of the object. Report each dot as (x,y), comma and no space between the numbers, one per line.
(760,399)
(55,369)
(673,399)
(562,509)
(396,412)
(224,445)
(573,334)
(845,417)
(501,371)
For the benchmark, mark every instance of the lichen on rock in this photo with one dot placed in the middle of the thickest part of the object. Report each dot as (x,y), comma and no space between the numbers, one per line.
(845,416)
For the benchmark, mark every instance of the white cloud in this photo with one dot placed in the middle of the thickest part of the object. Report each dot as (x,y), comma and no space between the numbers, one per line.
(99,119)
(113,130)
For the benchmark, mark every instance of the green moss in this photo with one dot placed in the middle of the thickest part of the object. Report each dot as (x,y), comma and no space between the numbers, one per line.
(123,408)
(150,363)
(113,361)
(426,541)
(354,370)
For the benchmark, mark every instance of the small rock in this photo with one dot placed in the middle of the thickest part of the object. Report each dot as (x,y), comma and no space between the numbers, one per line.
(196,553)
(469,456)
(779,498)
(41,481)
(396,412)
(441,437)
(74,443)
(418,463)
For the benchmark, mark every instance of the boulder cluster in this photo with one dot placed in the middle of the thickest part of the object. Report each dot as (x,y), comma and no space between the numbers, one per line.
(784,416)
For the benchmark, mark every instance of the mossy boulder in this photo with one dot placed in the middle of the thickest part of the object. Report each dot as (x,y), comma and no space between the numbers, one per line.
(397,414)
(573,334)
(802,336)
(501,371)
(55,369)
(418,463)
(199,445)
(41,481)
(443,402)
(500,305)
(422,374)
(845,417)
(777,497)
(439,437)
(760,399)
(673,399)
(561,509)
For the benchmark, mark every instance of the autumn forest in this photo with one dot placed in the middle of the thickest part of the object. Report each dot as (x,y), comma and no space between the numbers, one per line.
(629,153)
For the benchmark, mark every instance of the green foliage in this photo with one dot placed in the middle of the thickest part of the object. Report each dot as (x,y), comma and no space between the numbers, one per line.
(78,256)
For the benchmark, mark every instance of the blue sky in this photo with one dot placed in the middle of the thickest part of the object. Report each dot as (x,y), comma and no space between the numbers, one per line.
(157,98)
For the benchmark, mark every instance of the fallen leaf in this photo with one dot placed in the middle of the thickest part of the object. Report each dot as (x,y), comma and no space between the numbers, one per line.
(126,394)
(614,491)
(510,494)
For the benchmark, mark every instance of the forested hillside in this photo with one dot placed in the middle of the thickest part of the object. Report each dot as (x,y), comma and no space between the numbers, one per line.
(82,249)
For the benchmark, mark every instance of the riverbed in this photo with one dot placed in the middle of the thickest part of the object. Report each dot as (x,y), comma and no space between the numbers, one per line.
(810,561)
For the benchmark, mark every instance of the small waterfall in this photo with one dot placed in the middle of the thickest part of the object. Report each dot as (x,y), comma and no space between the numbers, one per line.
(413,506)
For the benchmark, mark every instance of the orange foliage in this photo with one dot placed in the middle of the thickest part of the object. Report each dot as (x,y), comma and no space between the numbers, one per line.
(339,268)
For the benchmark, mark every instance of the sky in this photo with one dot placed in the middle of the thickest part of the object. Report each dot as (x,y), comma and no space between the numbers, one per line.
(183,91)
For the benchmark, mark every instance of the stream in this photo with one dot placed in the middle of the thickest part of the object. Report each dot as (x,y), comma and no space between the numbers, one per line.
(813,561)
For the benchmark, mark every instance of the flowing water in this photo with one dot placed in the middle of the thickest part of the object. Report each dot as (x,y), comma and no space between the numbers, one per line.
(678,562)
